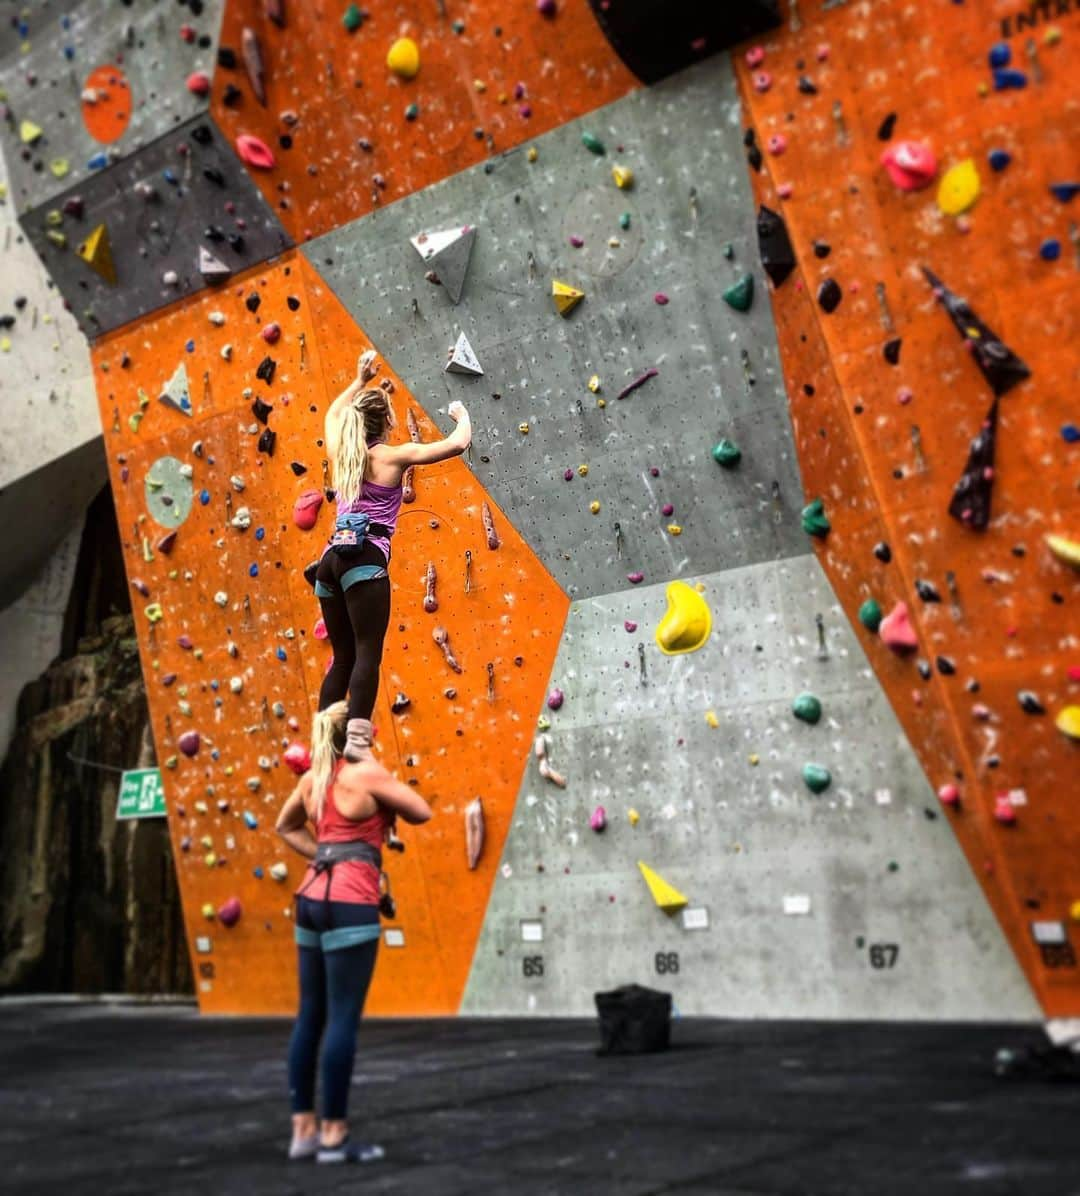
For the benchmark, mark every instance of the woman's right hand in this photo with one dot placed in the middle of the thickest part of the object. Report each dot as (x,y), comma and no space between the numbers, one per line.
(367,367)
(457,412)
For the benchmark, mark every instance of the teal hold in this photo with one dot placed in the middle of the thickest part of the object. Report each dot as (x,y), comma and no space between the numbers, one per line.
(740,294)
(816,777)
(814,520)
(807,708)
(870,615)
(727,453)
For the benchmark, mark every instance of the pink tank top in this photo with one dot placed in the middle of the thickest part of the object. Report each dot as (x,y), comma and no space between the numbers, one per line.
(353,880)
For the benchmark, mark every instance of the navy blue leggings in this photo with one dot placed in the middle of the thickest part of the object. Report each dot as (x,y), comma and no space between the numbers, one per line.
(333,987)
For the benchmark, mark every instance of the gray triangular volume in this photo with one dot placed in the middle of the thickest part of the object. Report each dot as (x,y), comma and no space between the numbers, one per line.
(212,268)
(176,393)
(463,359)
(448,253)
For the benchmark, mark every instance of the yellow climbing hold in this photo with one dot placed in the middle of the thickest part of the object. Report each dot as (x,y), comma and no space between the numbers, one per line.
(687,623)
(623,176)
(59,167)
(633,816)
(134,419)
(583,471)
(208,911)
(1065,550)
(594,506)
(1074,911)
(532,155)
(523,429)
(56,237)
(959,188)
(1068,721)
(666,896)
(154,612)
(594,383)
(566,297)
(29,132)
(5,344)
(754,759)
(711,719)
(404,58)
(96,252)
(674,529)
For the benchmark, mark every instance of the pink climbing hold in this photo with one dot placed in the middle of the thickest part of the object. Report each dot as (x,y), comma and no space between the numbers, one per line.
(755,56)
(896,630)
(271,333)
(911,165)
(776,144)
(661,299)
(630,626)
(667,509)
(298,758)
(598,819)
(577,242)
(1004,810)
(229,913)
(949,795)
(320,631)
(634,578)
(555,699)
(198,83)
(762,81)
(255,152)
(189,742)
(568,475)
(305,510)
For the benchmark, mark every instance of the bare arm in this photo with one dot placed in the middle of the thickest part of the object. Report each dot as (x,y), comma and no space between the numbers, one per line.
(292,822)
(404,455)
(366,369)
(399,798)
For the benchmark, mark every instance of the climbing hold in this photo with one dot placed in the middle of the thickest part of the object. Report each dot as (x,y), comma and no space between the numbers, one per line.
(188,743)
(279,871)
(198,83)
(29,133)
(774,245)
(211,267)
(176,392)
(540,750)
(970,502)
(229,913)
(896,630)
(565,296)
(352,18)
(306,509)
(96,252)
(1029,703)
(949,795)
(870,614)
(740,294)
(404,58)
(998,159)
(598,819)
(556,699)
(999,54)
(660,299)
(623,176)
(1063,192)
(1067,721)
(271,333)
(926,590)
(910,165)
(829,295)
(592,143)
(1001,368)
(447,252)
(1067,551)
(807,708)
(891,350)
(959,188)
(816,777)
(255,152)
(251,50)
(666,896)
(207,911)
(1006,80)
(727,453)
(463,359)
(686,624)
(814,520)
(1004,810)
(632,816)
(1050,249)
(474,832)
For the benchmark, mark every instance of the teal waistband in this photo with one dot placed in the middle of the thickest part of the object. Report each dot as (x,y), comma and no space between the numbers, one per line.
(336,940)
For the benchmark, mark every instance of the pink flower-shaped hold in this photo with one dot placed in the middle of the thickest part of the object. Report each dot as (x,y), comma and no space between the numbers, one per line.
(776,144)
(762,81)
(910,165)
(755,56)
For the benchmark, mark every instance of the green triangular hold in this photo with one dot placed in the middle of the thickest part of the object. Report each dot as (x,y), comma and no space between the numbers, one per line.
(740,294)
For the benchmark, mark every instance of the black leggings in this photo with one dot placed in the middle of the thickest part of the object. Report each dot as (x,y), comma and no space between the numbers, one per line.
(356,619)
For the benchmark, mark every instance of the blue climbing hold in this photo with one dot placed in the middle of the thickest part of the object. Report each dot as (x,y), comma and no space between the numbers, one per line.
(1064,191)
(1050,249)
(1000,54)
(215,684)
(253,570)
(257,873)
(999,159)
(260,533)
(190,346)
(250,821)
(281,654)
(98,162)
(69,52)
(215,754)
(204,497)
(1070,433)
(24,30)
(169,175)
(1007,80)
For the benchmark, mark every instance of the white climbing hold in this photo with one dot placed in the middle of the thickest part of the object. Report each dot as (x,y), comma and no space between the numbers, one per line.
(448,253)
(463,359)
(176,392)
(170,278)
(212,268)
(242,519)
(221,598)
(217,318)
(226,352)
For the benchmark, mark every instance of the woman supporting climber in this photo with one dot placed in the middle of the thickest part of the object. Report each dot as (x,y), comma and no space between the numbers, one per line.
(351,580)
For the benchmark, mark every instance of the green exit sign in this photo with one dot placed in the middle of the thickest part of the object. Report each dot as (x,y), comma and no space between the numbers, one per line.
(141,794)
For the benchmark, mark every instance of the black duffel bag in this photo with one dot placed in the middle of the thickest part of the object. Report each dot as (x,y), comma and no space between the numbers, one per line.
(633,1020)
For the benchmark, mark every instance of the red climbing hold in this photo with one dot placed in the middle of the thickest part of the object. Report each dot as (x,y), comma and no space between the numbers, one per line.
(896,630)
(911,165)
(255,152)
(271,333)
(298,758)
(305,511)
(949,795)
(198,83)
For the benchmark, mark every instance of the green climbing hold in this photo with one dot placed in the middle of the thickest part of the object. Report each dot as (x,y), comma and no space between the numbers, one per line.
(727,453)
(807,708)
(814,520)
(870,614)
(740,294)
(593,143)
(352,18)
(816,777)
(729,250)
(624,220)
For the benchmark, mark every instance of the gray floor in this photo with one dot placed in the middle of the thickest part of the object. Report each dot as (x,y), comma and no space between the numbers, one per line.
(125,1100)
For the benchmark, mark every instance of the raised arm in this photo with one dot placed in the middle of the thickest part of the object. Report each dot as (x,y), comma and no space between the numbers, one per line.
(453,445)
(366,369)
(292,822)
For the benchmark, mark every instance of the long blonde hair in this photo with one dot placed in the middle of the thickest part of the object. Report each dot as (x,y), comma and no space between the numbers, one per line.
(369,415)
(327,738)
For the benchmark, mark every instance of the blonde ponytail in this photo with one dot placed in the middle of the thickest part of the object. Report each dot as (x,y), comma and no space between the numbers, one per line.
(326,730)
(368,415)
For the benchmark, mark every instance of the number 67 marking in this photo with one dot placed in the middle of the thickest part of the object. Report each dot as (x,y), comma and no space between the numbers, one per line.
(884,955)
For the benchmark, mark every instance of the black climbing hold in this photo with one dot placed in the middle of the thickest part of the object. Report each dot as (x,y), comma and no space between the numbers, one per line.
(927,591)
(213,233)
(293,302)
(822,249)
(226,57)
(20,302)
(1029,703)
(400,703)
(945,666)
(202,134)
(261,410)
(885,129)
(7,321)
(924,669)
(971,495)
(232,95)
(267,441)
(1000,366)
(297,468)
(236,242)
(774,245)
(252,301)
(883,552)
(749,137)
(214,175)
(753,156)
(285,140)
(266,369)
(807,86)
(891,349)
(829,295)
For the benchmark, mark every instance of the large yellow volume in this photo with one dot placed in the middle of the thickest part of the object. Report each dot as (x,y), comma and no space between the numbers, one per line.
(666,896)
(566,297)
(96,252)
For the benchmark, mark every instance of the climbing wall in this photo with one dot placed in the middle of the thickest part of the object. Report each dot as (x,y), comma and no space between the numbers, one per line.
(668,570)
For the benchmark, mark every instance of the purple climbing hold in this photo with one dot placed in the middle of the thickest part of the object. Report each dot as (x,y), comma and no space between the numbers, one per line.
(189,742)
(556,699)
(229,912)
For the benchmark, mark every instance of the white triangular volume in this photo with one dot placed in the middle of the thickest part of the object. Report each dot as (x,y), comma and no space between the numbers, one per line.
(448,253)
(176,393)
(212,268)
(463,359)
